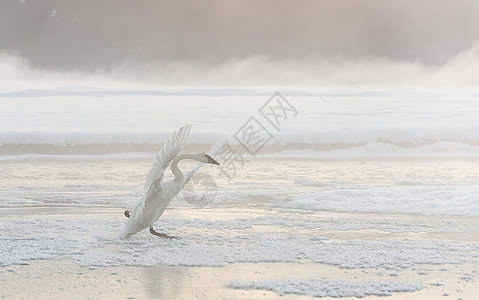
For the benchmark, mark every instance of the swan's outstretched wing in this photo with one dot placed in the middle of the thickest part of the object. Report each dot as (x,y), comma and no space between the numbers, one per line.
(214,151)
(163,158)
(139,219)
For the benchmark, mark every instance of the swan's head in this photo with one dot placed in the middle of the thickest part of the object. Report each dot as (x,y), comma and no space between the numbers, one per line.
(201,157)
(209,159)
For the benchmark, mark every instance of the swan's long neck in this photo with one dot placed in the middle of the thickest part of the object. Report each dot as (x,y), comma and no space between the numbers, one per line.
(179,177)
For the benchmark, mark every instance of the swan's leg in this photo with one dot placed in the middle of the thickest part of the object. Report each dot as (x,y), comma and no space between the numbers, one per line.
(127,213)
(152,231)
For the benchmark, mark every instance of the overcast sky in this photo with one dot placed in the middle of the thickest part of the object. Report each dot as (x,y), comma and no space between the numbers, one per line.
(248,38)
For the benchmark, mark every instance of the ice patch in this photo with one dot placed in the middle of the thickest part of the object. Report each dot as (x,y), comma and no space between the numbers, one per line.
(381,150)
(94,242)
(329,288)
(72,157)
(10,201)
(310,182)
(445,200)
(435,225)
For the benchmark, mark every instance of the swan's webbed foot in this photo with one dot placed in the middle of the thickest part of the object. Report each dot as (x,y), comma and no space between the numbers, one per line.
(162,235)
(127,213)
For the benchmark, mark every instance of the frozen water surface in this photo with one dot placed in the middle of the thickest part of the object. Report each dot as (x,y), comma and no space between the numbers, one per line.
(381,186)
(56,209)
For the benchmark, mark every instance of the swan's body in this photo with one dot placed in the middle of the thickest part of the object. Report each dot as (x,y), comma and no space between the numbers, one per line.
(157,194)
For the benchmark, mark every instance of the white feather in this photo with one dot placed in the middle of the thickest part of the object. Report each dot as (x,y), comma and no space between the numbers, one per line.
(158,194)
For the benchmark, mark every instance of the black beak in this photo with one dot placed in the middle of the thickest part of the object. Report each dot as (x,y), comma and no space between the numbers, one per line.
(211,160)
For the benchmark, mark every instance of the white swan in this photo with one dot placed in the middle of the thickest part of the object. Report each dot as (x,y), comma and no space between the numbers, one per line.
(157,194)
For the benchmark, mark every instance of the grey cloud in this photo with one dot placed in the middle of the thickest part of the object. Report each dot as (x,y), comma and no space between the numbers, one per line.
(100,35)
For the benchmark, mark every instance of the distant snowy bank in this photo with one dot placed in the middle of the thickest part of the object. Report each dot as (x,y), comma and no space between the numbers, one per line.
(137,147)
(364,123)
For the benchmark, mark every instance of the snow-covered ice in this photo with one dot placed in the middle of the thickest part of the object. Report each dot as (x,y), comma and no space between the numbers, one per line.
(350,123)
(379,184)
(94,242)
(329,288)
